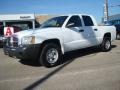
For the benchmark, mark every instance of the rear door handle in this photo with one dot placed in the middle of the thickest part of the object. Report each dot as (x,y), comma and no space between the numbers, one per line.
(81,30)
(95,29)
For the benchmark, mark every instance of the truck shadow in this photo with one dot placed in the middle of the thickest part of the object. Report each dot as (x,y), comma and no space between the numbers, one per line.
(92,51)
(29,62)
(68,56)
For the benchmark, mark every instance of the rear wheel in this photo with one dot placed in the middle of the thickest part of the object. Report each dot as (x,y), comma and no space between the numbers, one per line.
(118,36)
(50,55)
(106,44)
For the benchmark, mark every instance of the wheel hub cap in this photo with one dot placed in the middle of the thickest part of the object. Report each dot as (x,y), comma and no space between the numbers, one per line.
(52,55)
(107,45)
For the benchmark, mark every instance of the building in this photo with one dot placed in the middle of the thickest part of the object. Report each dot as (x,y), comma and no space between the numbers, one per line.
(25,21)
(22,20)
(114,19)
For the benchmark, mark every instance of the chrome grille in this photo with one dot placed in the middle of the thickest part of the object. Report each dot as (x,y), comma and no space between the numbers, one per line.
(12,41)
(15,42)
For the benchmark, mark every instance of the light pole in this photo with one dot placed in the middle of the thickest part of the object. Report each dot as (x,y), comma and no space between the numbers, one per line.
(106,12)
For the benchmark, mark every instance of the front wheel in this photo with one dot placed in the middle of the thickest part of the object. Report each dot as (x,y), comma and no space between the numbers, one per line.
(50,55)
(106,44)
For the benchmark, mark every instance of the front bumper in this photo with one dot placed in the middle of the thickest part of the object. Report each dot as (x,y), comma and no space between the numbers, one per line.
(23,52)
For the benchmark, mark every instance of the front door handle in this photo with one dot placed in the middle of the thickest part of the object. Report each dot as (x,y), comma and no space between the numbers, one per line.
(81,30)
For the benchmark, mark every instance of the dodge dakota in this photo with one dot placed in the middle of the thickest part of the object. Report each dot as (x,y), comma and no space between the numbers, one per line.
(59,35)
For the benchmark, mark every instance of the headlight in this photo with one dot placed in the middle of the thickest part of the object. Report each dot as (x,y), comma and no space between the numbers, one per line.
(28,40)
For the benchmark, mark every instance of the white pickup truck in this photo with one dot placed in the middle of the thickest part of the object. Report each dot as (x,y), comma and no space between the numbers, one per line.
(59,35)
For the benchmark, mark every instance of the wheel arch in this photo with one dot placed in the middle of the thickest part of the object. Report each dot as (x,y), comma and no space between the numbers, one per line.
(55,41)
(107,35)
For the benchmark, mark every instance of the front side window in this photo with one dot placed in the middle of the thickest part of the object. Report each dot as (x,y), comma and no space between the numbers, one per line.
(54,22)
(74,21)
(87,21)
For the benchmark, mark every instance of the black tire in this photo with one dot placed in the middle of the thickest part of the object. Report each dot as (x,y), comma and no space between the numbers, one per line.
(118,36)
(50,55)
(106,44)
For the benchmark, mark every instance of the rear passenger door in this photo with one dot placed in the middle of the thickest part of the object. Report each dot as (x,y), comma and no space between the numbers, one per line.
(91,30)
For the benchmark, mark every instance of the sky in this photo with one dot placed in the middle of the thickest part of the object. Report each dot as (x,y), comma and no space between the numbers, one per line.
(92,7)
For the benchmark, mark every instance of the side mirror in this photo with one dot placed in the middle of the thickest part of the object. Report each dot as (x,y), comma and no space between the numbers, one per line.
(70,25)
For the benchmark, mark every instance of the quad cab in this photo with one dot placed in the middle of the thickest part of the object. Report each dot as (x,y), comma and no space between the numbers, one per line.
(59,35)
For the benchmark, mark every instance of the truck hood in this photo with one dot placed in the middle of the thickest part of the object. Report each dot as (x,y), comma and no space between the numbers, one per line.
(23,33)
(46,30)
(36,31)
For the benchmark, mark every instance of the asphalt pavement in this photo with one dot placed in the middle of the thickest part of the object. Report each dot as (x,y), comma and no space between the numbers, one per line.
(86,69)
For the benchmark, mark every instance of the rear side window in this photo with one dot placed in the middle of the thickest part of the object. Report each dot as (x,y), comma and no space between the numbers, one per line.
(75,20)
(87,21)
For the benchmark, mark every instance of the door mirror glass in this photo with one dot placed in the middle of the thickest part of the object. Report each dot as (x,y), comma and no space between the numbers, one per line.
(70,25)
(74,21)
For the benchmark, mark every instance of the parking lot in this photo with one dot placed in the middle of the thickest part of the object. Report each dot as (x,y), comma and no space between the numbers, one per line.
(86,69)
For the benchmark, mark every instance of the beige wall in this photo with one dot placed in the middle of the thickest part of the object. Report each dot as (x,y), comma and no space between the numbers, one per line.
(42,18)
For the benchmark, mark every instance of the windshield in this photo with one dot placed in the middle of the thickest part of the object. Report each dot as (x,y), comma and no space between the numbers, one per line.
(54,22)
